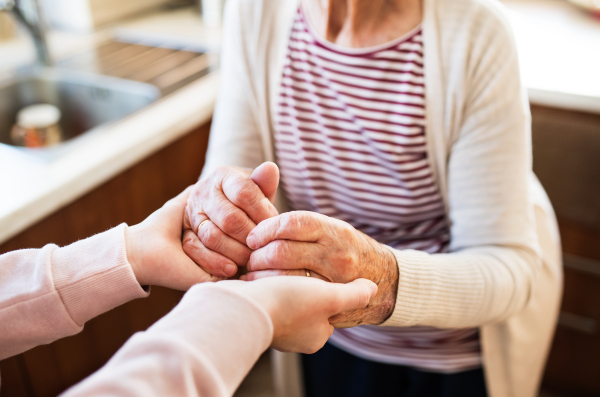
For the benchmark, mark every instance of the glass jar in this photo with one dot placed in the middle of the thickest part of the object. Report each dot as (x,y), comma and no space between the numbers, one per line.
(37,126)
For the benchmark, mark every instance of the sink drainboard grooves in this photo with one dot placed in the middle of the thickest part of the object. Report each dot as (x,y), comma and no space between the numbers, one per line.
(166,68)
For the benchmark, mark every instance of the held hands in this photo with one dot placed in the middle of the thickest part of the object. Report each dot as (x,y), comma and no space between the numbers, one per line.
(155,253)
(300,307)
(233,198)
(225,209)
(221,217)
(222,210)
(332,250)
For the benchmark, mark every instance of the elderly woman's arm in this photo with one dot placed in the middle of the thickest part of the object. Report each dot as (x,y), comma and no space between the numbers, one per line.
(235,137)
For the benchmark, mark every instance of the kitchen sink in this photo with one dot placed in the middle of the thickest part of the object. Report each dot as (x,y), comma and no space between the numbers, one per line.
(88,102)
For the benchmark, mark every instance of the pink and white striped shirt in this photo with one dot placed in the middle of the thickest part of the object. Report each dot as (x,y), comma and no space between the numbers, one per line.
(350,143)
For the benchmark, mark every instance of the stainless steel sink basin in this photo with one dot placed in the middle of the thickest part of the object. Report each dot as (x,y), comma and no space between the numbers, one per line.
(87,101)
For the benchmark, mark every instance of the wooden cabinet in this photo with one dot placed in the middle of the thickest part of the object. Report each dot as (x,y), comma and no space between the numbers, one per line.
(129,197)
(566,149)
(566,156)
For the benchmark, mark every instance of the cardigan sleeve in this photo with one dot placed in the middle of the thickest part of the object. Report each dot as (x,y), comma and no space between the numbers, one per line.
(235,136)
(49,293)
(204,347)
(494,255)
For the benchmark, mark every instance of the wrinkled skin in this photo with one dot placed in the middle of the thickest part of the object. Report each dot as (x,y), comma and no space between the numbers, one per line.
(233,202)
(332,250)
(155,253)
(236,200)
(299,307)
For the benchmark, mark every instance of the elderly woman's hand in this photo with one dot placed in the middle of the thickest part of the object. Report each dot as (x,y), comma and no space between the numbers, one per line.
(222,209)
(294,242)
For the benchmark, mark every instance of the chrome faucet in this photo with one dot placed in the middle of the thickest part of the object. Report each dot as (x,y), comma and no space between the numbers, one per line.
(32,19)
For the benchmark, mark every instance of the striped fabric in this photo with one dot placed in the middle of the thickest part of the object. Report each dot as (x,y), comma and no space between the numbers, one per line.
(350,143)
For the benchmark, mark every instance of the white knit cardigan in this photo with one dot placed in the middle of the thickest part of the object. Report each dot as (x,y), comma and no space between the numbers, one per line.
(503,273)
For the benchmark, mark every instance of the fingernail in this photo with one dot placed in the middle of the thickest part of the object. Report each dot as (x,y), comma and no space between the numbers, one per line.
(243,277)
(373,290)
(230,269)
(250,241)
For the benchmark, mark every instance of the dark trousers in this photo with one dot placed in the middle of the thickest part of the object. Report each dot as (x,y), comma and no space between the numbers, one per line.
(332,372)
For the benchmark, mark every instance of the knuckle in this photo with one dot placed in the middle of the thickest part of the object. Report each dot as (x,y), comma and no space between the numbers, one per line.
(210,237)
(347,258)
(245,193)
(188,240)
(188,249)
(291,221)
(278,252)
(233,221)
(345,230)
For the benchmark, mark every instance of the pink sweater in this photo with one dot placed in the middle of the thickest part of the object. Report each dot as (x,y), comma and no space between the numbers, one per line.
(204,347)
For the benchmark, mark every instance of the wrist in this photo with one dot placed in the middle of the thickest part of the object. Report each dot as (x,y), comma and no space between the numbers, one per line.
(385,300)
(134,239)
(380,266)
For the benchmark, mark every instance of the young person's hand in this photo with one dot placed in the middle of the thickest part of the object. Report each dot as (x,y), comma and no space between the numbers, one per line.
(155,251)
(300,307)
(222,209)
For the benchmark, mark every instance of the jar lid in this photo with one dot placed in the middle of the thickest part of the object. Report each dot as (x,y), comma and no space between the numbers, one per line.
(38,116)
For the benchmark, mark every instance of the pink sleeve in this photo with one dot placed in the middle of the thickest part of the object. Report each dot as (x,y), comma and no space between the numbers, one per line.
(49,293)
(204,347)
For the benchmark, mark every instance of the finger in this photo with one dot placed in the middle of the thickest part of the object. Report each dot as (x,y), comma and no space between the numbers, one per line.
(177,204)
(251,276)
(266,176)
(212,262)
(174,210)
(353,295)
(284,254)
(232,220)
(184,280)
(297,225)
(215,240)
(194,212)
(246,195)
(193,218)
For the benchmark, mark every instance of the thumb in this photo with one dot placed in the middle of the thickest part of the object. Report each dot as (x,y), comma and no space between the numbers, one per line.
(266,176)
(175,209)
(354,295)
(182,272)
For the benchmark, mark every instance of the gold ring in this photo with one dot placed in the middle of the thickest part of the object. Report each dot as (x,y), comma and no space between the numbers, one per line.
(307,272)
(202,223)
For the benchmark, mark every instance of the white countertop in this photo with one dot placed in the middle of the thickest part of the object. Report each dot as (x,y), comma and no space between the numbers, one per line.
(559,49)
(559,52)
(31,189)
